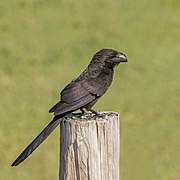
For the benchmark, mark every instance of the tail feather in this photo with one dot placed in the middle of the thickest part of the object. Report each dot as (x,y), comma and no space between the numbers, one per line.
(38,140)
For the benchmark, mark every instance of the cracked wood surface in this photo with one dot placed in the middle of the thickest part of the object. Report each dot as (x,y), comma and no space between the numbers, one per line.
(90,147)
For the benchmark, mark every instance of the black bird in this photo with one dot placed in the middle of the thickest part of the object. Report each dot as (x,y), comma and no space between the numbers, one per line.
(82,92)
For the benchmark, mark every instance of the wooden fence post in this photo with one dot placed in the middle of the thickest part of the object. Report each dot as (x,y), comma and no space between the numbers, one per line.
(90,147)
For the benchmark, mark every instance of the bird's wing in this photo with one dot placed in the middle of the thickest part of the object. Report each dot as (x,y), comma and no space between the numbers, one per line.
(74,91)
(81,92)
(95,84)
(73,97)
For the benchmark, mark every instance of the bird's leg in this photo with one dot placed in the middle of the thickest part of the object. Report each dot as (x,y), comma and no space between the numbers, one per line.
(82,110)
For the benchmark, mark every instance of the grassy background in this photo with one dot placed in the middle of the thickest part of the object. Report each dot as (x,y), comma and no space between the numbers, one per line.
(45,44)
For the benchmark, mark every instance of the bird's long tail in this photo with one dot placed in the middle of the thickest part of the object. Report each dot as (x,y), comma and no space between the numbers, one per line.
(38,140)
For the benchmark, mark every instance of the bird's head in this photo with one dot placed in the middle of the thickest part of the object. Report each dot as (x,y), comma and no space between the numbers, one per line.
(110,57)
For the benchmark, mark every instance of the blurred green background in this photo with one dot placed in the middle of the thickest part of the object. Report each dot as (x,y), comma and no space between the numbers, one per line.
(45,44)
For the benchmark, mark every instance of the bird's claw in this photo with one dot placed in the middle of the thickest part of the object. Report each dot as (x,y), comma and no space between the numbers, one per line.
(95,112)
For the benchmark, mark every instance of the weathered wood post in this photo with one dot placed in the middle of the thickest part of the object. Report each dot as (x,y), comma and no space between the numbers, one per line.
(90,147)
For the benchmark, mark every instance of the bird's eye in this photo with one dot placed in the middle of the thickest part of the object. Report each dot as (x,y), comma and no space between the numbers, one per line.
(112,55)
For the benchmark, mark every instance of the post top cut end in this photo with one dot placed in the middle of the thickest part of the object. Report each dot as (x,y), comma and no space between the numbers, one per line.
(90,116)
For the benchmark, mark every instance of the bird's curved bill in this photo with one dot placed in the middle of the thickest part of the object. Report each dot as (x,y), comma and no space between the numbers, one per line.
(122,58)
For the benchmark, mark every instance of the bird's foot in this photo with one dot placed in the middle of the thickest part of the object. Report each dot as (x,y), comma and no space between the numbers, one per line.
(74,115)
(70,115)
(94,112)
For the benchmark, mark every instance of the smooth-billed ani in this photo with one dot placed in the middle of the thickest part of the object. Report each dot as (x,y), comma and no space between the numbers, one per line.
(82,92)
